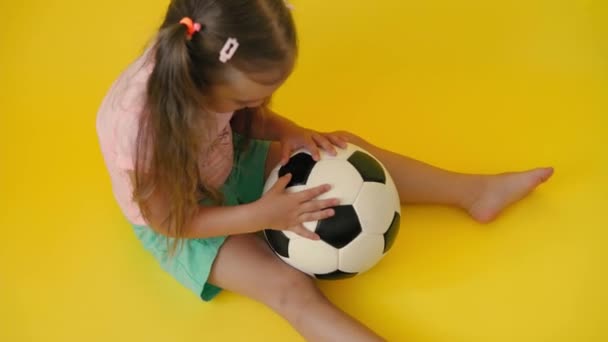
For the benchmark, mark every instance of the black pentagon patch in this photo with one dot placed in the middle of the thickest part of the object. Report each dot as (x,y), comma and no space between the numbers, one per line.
(368,167)
(299,166)
(340,229)
(335,275)
(278,241)
(391,233)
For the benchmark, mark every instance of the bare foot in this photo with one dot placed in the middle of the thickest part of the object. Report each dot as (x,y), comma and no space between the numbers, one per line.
(500,191)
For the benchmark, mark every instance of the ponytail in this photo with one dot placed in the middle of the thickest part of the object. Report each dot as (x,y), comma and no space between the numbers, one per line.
(172,127)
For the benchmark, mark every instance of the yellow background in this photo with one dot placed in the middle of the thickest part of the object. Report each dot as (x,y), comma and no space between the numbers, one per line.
(471,85)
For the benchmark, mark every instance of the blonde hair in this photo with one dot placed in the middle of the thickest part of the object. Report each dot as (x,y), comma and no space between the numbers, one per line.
(176,128)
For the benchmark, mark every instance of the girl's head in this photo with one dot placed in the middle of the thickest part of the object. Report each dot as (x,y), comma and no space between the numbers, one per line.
(190,83)
(264,58)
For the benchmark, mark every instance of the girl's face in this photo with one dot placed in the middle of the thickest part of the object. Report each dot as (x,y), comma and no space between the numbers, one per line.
(244,90)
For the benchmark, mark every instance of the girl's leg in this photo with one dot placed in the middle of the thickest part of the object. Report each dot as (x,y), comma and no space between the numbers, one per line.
(247,266)
(482,196)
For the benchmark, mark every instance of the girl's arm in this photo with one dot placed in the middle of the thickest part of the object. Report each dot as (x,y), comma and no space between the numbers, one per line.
(272,126)
(229,220)
(277,209)
(264,126)
(209,221)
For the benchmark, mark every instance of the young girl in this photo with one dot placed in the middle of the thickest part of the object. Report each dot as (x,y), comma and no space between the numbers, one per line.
(188,140)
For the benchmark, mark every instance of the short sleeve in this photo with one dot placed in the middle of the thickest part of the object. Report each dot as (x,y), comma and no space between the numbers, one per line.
(126,141)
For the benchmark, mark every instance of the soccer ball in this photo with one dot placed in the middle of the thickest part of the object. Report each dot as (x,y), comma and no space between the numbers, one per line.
(365,223)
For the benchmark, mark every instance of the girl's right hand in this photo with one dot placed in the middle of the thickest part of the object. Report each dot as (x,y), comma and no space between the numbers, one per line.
(287,211)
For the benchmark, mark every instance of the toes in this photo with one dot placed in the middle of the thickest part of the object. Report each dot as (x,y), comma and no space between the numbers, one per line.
(548,173)
(505,190)
(484,217)
(542,175)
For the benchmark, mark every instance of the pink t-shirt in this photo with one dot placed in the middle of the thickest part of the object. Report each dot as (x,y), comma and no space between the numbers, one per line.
(117,128)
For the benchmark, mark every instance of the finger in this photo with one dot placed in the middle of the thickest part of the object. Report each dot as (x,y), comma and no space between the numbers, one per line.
(307,195)
(337,140)
(317,215)
(305,233)
(342,137)
(314,149)
(282,182)
(285,152)
(316,205)
(324,143)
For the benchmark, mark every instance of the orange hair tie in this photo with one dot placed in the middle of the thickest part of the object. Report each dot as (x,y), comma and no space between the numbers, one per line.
(191,26)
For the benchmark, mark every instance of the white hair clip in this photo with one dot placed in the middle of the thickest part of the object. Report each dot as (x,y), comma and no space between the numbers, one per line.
(229,49)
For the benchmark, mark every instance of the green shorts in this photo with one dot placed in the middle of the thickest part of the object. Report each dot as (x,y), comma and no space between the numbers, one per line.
(192,263)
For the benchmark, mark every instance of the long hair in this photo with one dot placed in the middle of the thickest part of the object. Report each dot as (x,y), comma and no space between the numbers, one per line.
(176,128)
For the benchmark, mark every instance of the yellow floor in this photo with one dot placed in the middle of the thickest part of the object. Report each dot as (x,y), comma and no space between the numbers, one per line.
(473,85)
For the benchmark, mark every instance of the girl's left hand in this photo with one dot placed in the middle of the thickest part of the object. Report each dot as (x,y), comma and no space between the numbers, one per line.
(296,137)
